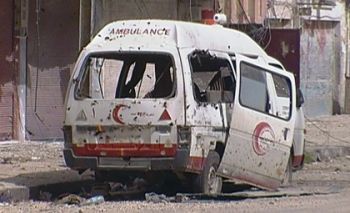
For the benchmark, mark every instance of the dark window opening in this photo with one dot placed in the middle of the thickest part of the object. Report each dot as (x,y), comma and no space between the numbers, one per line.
(212,77)
(126,75)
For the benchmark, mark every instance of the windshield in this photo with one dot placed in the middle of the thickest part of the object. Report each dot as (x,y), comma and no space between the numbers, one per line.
(126,75)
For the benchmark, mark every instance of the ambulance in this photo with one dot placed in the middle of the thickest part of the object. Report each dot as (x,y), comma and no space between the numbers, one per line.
(201,103)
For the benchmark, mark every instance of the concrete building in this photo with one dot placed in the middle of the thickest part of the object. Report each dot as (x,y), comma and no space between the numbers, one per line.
(324,51)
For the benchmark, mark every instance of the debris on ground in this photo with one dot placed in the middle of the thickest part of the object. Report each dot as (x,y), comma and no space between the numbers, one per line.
(93,200)
(44,196)
(181,198)
(71,199)
(156,198)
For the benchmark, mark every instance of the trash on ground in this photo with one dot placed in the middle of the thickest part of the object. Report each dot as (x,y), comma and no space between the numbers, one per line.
(93,200)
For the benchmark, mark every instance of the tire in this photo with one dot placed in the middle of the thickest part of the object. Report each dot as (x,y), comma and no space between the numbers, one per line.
(208,182)
(288,174)
(100,176)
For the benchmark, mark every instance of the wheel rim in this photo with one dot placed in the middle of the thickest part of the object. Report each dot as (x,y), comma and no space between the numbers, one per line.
(213,181)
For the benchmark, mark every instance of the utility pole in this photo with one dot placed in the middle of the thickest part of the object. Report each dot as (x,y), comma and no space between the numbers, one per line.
(296,17)
(22,83)
(84,23)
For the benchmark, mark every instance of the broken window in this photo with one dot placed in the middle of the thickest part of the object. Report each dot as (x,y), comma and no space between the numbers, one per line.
(283,91)
(126,75)
(212,77)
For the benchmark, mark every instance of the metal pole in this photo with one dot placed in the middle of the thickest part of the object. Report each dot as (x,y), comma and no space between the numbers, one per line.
(92,23)
(22,84)
(80,23)
(22,87)
(347,21)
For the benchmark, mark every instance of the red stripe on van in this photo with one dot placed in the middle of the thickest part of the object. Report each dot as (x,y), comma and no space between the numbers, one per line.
(125,150)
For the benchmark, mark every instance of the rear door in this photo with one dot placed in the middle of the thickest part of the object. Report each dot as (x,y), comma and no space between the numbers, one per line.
(260,136)
(127,104)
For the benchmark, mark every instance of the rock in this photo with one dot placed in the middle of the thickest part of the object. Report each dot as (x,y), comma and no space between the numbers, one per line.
(35,158)
(155,198)
(71,199)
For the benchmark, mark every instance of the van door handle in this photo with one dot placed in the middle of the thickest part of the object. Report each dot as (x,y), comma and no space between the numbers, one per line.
(285,133)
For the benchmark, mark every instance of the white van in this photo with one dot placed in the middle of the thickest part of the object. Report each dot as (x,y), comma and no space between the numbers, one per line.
(152,97)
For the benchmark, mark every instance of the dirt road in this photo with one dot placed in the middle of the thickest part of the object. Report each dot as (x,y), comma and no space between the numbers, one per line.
(326,182)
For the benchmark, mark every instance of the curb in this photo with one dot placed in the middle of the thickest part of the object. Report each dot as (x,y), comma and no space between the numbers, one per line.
(328,153)
(10,192)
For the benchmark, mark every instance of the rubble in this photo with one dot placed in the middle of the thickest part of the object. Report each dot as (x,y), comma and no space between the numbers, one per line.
(71,199)
(156,198)
(18,177)
(93,200)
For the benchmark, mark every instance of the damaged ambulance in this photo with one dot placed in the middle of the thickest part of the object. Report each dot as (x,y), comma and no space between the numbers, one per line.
(205,104)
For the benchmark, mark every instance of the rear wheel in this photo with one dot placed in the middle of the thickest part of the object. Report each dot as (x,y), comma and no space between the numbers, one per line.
(208,182)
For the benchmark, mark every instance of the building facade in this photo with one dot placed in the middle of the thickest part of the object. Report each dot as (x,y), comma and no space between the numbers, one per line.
(40,41)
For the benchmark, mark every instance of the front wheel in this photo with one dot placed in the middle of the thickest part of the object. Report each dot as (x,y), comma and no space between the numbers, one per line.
(208,182)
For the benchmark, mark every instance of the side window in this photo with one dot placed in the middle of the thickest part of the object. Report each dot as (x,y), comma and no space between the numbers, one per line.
(283,92)
(253,89)
(254,92)
(212,77)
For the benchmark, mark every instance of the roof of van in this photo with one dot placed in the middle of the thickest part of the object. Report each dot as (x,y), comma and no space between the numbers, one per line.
(143,33)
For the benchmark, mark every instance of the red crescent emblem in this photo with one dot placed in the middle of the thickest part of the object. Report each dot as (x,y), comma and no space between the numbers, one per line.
(116,115)
(259,134)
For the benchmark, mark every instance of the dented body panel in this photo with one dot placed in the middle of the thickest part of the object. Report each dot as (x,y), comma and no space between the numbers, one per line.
(152,95)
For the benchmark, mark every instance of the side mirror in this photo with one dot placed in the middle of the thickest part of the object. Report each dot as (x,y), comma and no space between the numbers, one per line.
(300,98)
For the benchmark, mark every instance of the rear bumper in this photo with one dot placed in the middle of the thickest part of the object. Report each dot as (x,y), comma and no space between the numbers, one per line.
(178,162)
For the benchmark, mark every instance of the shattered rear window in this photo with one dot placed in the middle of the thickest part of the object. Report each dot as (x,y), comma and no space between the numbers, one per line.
(126,75)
